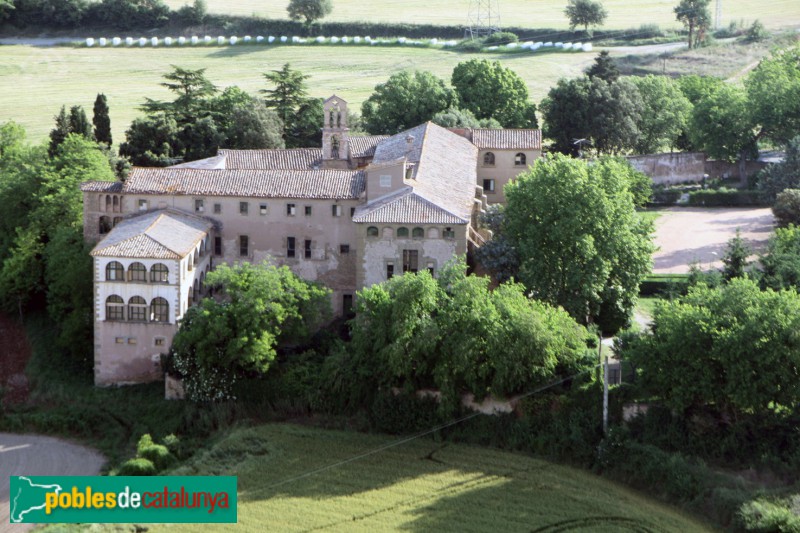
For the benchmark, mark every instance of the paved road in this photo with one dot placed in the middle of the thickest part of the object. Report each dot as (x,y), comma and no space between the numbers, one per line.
(686,234)
(39,456)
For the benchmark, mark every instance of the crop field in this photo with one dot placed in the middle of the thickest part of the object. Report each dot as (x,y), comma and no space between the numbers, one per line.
(418,486)
(35,82)
(622,14)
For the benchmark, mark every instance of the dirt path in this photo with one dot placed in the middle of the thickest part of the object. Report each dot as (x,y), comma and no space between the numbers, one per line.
(686,234)
(39,456)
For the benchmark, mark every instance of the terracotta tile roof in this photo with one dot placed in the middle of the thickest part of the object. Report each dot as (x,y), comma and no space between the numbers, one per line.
(364,146)
(102,186)
(285,159)
(507,139)
(322,184)
(162,234)
(405,208)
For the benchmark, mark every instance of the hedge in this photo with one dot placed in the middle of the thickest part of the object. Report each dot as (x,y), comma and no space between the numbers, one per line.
(726,198)
(665,284)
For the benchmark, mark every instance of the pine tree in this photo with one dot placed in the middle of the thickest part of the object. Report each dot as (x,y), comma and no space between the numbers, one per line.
(59,134)
(287,98)
(735,258)
(603,68)
(101,120)
(79,123)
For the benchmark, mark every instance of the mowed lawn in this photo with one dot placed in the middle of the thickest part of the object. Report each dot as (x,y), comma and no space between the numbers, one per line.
(418,486)
(36,82)
(622,14)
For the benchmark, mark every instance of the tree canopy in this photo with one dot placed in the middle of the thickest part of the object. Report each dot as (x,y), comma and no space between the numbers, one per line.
(289,98)
(665,115)
(220,341)
(694,14)
(585,13)
(491,91)
(404,101)
(603,67)
(773,94)
(580,243)
(309,10)
(101,120)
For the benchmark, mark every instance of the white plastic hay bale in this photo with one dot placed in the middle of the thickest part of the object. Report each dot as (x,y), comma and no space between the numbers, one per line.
(234,40)
(511,45)
(181,41)
(451,42)
(102,41)
(493,48)
(194,39)
(320,39)
(154,41)
(284,38)
(356,40)
(260,38)
(302,40)
(527,44)
(538,44)
(129,41)
(247,38)
(548,44)
(559,45)
(221,40)
(295,39)
(401,40)
(345,40)
(116,41)
(271,39)
(566,46)
(89,41)
(334,40)
(207,39)
(434,41)
(142,41)
(167,41)
(587,47)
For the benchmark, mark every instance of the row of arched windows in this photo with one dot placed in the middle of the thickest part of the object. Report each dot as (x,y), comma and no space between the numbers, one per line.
(137,309)
(106,224)
(519,159)
(159,273)
(110,202)
(403,233)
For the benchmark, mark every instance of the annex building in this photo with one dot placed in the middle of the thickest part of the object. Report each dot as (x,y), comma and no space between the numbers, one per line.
(350,214)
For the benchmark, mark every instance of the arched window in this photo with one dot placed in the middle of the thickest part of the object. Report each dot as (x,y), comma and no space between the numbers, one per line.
(159,310)
(116,204)
(108,202)
(402,232)
(418,233)
(115,271)
(115,308)
(105,225)
(137,272)
(433,233)
(159,273)
(137,309)
(520,159)
(372,231)
(101,202)
(488,158)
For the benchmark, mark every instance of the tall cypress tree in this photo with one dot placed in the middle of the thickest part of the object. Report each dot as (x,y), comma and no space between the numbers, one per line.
(101,120)
(60,132)
(79,123)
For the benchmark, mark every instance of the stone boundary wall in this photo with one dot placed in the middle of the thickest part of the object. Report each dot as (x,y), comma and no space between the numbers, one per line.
(669,168)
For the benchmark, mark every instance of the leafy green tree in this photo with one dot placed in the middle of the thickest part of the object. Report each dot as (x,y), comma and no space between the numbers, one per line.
(310,10)
(404,101)
(603,68)
(298,112)
(780,262)
(773,94)
(254,126)
(585,13)
(193,91)
(666,113)
(462,118)
(787,208)
(735,257)
(601,115)
(498,255)
(694,88)
(124,14)
(490,90)
(723,127)
(101,120)
(305,130)
(152,142)
(220,341)
(723,351)
(79,123)
(694,14)
(580,243)
(780,176)
(6,7)
(59,133)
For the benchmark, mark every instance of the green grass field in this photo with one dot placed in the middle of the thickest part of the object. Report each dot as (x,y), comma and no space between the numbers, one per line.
(418,486)
(521,13)
(36,82)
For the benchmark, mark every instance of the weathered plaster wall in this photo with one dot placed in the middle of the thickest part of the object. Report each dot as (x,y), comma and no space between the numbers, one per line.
(671,168)
(503,170)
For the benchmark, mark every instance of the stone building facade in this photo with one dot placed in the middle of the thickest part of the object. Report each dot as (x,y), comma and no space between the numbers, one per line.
(353,213)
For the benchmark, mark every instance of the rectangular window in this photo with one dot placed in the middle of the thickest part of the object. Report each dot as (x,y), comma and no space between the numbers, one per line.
(344,248)
(137,313)
(308,210)
(488,185)
(336,210)
(307,249)
(386,180)
(448,233)
(199,205)
(352,211)
(243,208)
(289,246)
(389,270)
(160,341)
(410,260)
(262,209)
(431,269)
(120,340)
(347,303)
(244,245)
(142,205)
(217,245)
(217,209)
(290,210)
(131,340)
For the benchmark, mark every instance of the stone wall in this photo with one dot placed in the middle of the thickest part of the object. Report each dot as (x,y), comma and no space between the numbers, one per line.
(671,168)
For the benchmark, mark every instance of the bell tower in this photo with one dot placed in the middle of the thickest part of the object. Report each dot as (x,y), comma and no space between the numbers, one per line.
(335,136)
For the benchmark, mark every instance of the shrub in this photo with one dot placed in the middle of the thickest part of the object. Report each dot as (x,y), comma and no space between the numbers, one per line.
(787,208)
(145,441)
(501,38)
(137,467)
(665,197)
(158,455)
(726,198)
(757,32)
(767,517)
(649,31)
